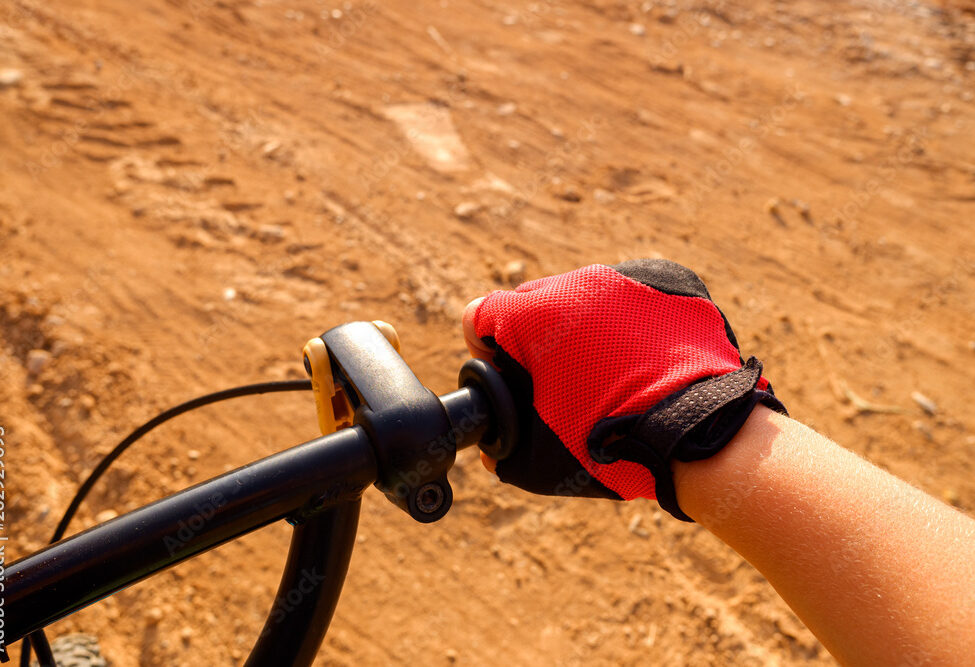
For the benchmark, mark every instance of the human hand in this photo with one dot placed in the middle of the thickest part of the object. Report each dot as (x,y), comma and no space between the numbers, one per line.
(620,370)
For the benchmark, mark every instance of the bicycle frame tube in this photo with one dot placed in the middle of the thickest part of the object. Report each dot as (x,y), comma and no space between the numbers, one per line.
(87,567)
(321,548)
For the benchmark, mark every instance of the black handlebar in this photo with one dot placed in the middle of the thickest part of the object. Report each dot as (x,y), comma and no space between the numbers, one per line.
(403,441)
(77,571)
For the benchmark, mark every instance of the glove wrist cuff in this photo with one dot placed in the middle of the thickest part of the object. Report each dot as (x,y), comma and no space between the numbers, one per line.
(690,425)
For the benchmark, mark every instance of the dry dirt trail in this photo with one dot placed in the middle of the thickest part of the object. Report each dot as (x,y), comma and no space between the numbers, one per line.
(189,189)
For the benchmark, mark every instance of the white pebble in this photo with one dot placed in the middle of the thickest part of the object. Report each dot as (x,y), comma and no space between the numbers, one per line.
(514,272)
(507,108)
(270,233)
(466,209)
(10,77)
(634,526)
(926,403)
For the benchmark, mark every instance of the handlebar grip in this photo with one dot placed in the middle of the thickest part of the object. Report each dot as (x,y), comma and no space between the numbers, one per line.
(501,437)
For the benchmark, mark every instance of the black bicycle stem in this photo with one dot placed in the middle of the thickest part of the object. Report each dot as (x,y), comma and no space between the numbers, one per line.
(404,439)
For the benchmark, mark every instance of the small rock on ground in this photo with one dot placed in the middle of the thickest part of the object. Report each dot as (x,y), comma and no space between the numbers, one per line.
(466,209)
(37,360)
(10,77)
(514,272)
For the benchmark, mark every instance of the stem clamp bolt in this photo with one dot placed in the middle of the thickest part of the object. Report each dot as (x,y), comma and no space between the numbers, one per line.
(429,498)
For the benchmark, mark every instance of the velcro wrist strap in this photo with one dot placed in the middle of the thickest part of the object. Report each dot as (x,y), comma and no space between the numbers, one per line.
(692,424)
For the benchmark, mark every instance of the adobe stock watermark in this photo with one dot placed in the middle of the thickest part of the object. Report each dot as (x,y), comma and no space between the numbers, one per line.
(16,13)
(346,26)
(719,171)
(187,529)
(286,603)
(576,483)
(937,292)
(439,450)
(556,163)
(847,215)
(531,13)
(576,313)
(245,311)
(382,165)
(688,25)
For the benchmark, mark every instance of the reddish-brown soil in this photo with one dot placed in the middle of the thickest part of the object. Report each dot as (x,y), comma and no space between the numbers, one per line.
(189,189)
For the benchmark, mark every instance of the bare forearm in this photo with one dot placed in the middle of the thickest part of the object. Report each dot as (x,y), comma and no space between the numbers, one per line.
(881,572)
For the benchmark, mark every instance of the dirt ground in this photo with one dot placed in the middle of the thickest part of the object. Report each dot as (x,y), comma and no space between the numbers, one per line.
(189,189)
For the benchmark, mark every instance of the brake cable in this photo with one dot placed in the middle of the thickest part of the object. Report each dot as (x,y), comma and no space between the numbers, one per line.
(38,639)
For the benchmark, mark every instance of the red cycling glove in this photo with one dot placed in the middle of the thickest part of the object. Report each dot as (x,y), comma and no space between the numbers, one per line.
(626,368)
